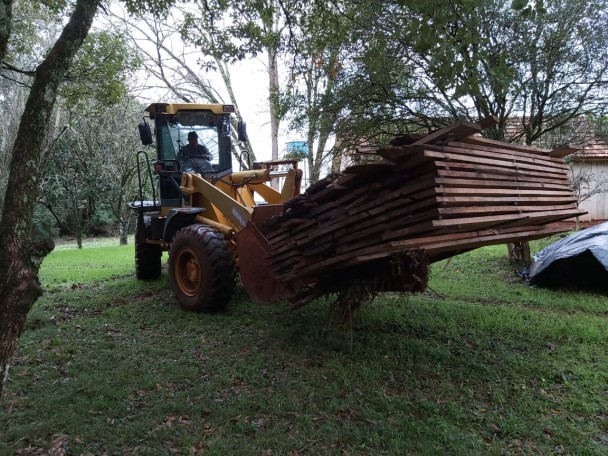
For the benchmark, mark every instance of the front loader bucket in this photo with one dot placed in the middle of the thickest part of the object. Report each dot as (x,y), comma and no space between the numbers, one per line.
(255,266)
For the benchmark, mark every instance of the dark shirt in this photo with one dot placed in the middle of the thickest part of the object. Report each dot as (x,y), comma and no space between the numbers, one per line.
(198,151)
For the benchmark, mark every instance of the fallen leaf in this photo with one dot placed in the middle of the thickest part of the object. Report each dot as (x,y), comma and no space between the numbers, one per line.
(59,447)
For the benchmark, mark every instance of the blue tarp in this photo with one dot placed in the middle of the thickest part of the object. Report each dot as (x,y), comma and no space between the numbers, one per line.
(577,261)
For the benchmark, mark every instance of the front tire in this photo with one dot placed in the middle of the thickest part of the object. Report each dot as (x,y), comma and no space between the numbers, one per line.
(201,269)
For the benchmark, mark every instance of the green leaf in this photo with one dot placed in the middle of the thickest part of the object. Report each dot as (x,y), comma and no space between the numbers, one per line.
(519,5)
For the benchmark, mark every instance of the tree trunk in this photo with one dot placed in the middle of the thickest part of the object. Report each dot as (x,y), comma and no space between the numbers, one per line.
(313,169)
(273,86)
(20,258)
(123,230)
(336,162)
(6,24)
(519,253)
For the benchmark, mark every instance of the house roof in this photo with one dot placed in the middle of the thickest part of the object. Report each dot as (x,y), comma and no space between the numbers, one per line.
(592,152)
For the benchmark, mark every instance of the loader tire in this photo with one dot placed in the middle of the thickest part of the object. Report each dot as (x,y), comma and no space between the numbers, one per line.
(201,269)
(147,256)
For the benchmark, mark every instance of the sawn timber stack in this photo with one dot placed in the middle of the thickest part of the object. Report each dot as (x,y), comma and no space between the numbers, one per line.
(381,223)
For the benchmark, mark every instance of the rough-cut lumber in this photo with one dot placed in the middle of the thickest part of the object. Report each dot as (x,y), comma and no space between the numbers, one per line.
(479,140)
(458,130)
(441,194)
(563,151)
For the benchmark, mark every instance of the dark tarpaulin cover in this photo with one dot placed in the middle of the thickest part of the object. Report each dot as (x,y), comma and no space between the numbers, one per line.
(577,261)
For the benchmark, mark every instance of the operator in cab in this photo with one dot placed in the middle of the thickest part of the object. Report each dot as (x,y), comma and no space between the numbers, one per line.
(193,149)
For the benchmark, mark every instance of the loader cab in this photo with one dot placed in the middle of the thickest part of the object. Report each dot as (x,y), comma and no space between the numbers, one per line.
(172,123)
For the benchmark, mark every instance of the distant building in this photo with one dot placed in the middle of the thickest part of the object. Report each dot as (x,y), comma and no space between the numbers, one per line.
(590,168)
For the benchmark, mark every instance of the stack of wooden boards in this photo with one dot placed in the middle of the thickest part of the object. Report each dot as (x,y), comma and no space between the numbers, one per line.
(446,193)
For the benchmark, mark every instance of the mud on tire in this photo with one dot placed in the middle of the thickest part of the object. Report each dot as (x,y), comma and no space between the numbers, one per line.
(201,269)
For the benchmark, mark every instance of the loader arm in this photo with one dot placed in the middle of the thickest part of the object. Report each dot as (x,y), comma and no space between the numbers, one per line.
(230,199)
(237,214)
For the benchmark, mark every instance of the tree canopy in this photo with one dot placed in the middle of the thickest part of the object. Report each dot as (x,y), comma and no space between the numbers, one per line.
(430,64)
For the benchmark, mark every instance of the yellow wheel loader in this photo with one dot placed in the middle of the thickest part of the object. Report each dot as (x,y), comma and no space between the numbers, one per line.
(198,203)
(374,227)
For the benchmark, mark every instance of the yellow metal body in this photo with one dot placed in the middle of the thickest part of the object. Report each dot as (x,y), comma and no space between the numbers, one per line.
(173,108)
(229,202)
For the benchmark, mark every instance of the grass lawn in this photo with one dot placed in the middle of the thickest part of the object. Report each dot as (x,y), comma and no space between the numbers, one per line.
(479,364)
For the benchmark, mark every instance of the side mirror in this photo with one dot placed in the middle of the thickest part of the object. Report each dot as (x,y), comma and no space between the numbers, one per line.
(145,133)
(241,131)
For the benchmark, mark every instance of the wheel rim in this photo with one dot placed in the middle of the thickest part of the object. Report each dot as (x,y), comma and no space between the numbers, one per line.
(188,273)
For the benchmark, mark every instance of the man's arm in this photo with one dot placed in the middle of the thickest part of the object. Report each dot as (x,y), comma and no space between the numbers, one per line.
(205,152)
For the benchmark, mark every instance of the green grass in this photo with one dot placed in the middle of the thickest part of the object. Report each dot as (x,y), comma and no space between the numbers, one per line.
(479,364)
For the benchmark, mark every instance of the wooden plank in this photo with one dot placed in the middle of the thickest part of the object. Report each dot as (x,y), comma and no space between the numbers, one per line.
(488,122)
(341,242)
(353,222)
(499,237)
(323,265)
(320,185)
(551,218)
(371,170)
(450,237)
(500,192)
(398,154)
(366,150)
(493,200)
(513,157)
(458,130)
(493,219)
(446,212)
(509,164)
(482,241)
(504,151)
(435,245)
(318,210)
(504,145)
(514,173)
(329,193)
(565,150)
(364,191)
(504,184)
(449,173)
(430,241)
(402,225)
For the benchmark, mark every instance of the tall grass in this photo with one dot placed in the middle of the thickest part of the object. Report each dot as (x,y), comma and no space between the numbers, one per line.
(479,364)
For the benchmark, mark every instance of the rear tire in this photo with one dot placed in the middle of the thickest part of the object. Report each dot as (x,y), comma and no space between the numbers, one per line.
(147,256)
(201,269)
